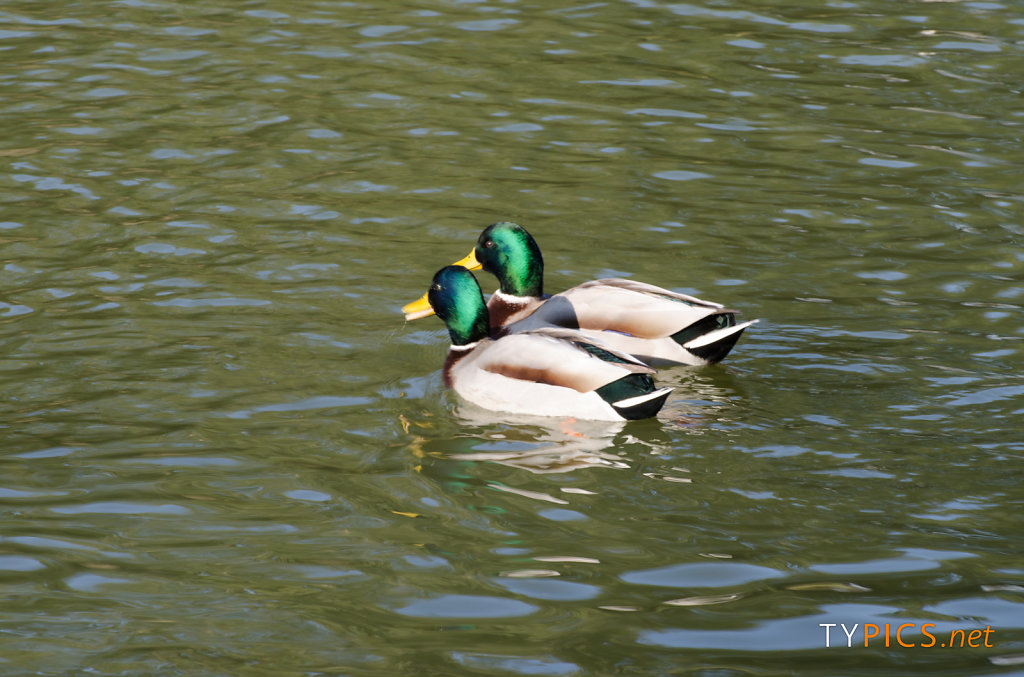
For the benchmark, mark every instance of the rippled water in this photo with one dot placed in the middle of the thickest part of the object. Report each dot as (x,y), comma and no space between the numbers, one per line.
(226,454)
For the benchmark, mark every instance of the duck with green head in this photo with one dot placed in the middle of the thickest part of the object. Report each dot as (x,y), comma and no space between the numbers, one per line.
(548,371)
(653,324)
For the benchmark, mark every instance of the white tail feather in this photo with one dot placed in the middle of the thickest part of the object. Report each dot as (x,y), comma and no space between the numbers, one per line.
(717,335)
(640,399)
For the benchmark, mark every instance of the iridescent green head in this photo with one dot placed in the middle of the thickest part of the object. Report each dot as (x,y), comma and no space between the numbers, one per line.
(510,253)
(456,298)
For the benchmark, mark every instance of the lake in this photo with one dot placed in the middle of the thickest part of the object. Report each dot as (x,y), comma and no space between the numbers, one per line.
(225,452)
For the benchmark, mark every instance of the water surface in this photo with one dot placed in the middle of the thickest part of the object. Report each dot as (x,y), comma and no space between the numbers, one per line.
(226,454)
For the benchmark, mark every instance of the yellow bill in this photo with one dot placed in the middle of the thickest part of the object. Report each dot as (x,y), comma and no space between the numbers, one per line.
(418,308)
(470,262)
(421,307)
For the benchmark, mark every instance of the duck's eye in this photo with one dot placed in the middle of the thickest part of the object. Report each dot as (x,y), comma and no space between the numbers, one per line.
(489,243)
(435,287)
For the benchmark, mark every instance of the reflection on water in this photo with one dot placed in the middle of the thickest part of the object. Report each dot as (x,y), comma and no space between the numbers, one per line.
(552,445)
(540,444)
(553,455)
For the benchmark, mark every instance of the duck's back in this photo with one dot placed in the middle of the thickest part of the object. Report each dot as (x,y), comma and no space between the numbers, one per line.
(549,372)
(654,324)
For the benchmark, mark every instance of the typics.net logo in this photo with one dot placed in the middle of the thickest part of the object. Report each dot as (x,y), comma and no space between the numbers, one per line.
(907,635)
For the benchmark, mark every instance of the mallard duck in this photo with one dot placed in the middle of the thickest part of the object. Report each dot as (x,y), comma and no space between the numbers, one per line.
(549,371)
(653,324)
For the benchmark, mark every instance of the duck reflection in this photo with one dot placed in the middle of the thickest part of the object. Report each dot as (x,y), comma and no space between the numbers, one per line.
(546,445)
(542,445)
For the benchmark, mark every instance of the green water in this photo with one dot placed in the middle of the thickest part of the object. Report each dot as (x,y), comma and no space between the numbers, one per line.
(224,452)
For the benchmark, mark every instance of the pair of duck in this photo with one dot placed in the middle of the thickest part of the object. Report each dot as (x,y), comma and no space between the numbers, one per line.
(582,353)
